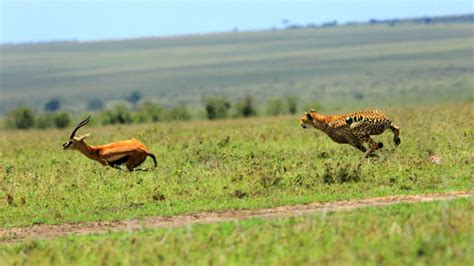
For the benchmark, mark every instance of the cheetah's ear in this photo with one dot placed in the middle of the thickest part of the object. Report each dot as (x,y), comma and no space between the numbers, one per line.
(309,117)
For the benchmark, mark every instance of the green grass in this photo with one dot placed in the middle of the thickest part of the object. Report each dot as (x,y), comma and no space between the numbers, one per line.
(408,63)
(246,163)
(436,233)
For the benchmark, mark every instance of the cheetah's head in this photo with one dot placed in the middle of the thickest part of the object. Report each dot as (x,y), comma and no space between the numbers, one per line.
(307,120)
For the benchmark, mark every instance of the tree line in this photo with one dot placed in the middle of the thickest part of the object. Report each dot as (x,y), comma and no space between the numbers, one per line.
(137,111)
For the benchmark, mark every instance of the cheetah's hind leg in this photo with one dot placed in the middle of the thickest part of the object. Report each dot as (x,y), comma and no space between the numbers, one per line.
(396,133)
(372,146)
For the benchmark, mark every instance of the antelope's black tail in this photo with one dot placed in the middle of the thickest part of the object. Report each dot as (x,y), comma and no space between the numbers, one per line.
(153,157)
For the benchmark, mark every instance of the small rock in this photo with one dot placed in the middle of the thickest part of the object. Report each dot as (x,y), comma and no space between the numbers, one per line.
(435,159)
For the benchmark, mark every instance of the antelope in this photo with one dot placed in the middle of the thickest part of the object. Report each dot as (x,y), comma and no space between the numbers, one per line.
(129,152)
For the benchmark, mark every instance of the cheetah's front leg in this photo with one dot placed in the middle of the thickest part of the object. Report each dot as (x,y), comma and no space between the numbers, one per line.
(358,145)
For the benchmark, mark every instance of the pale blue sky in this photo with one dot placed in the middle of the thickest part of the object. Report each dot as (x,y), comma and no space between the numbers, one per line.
(85,20)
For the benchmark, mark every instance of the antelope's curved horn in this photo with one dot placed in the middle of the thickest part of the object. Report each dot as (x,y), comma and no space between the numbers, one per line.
(81,124)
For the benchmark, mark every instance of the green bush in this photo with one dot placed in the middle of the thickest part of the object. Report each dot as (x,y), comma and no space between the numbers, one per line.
(20,118)
(246,107)
(275,107)
(292,102)
(61,120)
(338,173)
(44,121)
(179,112)
(119,114)
(149,112)
(216,107)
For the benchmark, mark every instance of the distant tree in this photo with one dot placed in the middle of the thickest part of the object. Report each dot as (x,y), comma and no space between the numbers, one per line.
(52,105)
(329,24)
(61,120)
(292,102)
(20,118)
(246,107)
(95,105)
(275,107)
(357,95)
(179,112)
(216,107)
(134,98)
(150,112)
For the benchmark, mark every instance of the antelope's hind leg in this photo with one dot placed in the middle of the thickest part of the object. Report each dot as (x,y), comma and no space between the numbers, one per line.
(117,163)
(135,160)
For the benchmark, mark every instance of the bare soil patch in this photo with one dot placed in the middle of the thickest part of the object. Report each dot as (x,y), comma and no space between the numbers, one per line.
(53,231)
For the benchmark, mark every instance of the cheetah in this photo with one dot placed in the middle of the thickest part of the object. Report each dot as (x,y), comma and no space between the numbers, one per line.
(354,128)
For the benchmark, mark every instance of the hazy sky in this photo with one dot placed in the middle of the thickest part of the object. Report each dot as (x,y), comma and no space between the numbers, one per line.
(30,20)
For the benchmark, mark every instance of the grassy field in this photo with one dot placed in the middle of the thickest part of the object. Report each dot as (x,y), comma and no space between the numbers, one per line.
(438,233)
(376,65)
(246,163)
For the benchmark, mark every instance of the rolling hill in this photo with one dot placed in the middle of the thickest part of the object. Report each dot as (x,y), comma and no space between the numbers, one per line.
(351,65)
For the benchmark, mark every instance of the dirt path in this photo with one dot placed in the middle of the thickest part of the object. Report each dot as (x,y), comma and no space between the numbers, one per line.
(53,231)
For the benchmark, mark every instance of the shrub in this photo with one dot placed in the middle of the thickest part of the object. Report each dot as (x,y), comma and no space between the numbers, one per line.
(341,173)
(275,107)
(20,118)
(216,107)
(179,112)
(120,114)
(246,107)
(292,103)
(44,121)
(61,120)
(150,112)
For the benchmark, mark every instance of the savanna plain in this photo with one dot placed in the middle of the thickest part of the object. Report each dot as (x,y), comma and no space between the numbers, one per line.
(235,164)
(266,162)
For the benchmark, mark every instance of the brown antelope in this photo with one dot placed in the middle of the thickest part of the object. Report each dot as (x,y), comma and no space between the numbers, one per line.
(129,152)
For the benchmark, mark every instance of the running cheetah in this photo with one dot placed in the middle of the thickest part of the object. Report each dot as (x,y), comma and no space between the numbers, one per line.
(354,128)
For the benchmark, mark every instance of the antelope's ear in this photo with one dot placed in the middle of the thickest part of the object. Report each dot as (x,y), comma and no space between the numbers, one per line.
(84,136)
(309,117)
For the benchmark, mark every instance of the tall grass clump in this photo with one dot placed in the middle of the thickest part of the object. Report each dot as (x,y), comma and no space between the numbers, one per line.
(340,172)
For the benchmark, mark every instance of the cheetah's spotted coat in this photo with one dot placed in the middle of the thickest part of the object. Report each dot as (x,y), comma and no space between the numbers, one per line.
(354,128)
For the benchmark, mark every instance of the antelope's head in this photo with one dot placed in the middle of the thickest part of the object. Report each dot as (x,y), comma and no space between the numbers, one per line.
(75,141)
(307,120)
